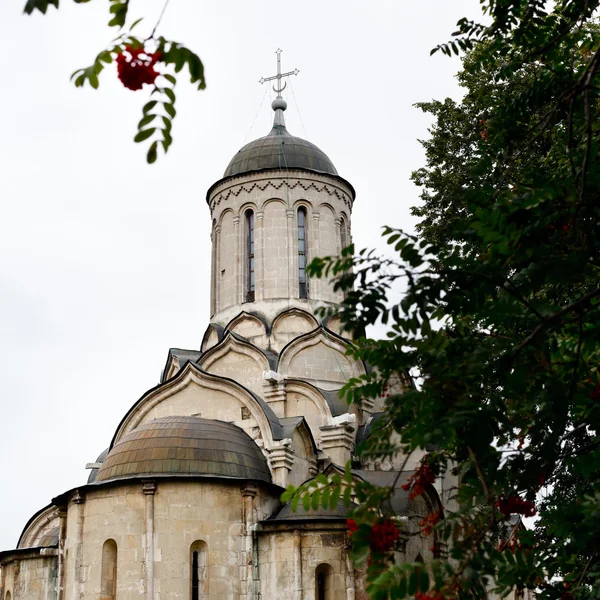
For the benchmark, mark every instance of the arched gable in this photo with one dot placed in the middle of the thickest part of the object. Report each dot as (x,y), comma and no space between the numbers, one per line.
(44,522)
(251,327)
(319,357)
(290,324)
(334,323)
(237,359)
(195,392)
(212,336)
(303,399)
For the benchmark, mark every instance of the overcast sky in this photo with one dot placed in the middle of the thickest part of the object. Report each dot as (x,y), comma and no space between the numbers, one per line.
(104,260)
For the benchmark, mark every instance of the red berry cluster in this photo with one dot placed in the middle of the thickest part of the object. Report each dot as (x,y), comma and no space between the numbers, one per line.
(432,596)
(429,522)
(515,505)
(135,67)
(384,535)
(352,525)
(484,132)
(595,395)
(417,482)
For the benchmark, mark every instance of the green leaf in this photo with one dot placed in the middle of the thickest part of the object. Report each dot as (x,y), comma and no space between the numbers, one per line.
(152,153)
(170,109)
(306,502)
(149,106)
(144,134)
(170,94)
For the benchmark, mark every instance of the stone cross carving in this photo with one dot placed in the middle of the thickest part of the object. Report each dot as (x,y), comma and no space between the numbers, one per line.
(279,75)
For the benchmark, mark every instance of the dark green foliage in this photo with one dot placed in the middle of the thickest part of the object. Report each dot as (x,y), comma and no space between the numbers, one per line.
(500,321)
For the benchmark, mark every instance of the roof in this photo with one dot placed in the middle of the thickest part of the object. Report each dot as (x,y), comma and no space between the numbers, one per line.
(279,150)
(339,513)
(94,472)
(50,538)
(185,446)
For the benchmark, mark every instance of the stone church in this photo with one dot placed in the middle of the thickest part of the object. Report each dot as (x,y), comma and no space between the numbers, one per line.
(184,504)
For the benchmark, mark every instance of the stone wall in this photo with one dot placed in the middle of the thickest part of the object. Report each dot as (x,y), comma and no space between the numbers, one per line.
(31,577)
(274,198)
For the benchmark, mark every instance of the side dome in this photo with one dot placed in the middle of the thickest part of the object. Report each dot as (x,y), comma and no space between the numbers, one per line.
(279,150)
(185,446)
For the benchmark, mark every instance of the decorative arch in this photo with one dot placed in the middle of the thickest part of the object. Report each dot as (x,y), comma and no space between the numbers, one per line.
(271,200)
(303,203)
(326,205)
(247,206)
(250,326)
(40,524)
(237,359)
(299,394)
(212,336)
(289,324)
(320,357)
(195,392)
(226,212)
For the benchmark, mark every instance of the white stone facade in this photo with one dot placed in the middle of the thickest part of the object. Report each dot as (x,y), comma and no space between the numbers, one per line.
(267,365)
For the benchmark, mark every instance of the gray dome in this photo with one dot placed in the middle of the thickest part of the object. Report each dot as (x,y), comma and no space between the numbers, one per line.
(185,446)
(279,150)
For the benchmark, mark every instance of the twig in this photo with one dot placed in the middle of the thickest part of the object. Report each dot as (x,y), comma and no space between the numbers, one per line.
(556,317)
(479,473)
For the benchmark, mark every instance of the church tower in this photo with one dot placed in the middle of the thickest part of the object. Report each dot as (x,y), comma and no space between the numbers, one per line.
(279,204)
(185,500)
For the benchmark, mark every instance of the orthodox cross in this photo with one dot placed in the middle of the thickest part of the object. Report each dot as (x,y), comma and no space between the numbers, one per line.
(279,75)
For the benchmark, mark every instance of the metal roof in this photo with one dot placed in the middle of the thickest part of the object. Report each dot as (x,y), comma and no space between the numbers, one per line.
(279,150)
(185,446)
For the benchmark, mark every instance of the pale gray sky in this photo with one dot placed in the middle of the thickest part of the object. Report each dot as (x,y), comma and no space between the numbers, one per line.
(104,260)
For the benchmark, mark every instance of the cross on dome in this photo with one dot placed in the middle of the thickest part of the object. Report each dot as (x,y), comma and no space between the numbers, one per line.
(279,75)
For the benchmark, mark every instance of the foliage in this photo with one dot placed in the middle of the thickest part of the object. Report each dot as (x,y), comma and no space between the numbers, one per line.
(500,319)
(158,113)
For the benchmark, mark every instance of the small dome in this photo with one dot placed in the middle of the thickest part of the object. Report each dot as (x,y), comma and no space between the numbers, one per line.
(280,150)
(185,446)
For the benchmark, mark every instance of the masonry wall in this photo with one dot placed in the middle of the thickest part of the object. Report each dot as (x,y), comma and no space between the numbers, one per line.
(30,578)
(287,554)
(185,512)
(275,198)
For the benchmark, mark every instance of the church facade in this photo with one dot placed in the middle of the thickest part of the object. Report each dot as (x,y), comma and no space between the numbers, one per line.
(185,502)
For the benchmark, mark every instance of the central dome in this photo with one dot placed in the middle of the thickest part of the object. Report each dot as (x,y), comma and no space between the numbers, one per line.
(279,150)
(185,446)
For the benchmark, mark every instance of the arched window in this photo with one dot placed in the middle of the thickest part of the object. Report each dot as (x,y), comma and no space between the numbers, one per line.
(323,582)
(108,584)
(199,564)
(303,284)
(7,595)
(249,256)
(344,233)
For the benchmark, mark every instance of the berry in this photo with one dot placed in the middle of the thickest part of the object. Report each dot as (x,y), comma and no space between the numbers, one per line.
(135,67)
(384,535)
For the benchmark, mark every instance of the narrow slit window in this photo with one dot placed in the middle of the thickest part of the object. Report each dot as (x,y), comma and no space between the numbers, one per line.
(199,571)
(323,582)
(302,281)
(344,233)
(250,283)
(109,570)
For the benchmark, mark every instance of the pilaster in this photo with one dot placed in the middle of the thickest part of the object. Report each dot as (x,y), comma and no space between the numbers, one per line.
(149,490)
(337,439)
(78,499)
(274,392)
(281,457)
